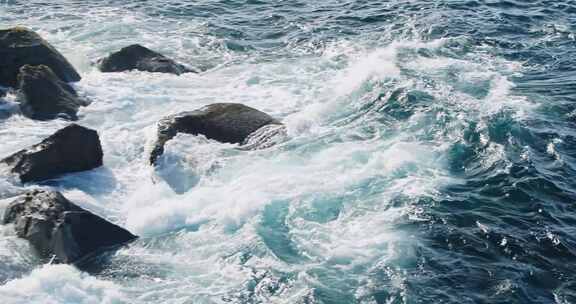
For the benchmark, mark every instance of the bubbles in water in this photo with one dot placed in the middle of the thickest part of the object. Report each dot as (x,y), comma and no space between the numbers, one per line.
(59,284)
(368,133)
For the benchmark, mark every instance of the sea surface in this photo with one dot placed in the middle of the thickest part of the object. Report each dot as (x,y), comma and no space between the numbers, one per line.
(430,157)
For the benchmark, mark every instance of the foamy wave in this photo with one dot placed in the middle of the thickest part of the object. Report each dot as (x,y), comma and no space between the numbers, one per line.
(60,284)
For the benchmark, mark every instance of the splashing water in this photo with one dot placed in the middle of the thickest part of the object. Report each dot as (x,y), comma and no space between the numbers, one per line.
(427,156)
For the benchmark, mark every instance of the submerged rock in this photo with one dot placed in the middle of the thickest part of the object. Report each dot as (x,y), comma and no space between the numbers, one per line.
(60,230)
(224,122)
(20,46)
(71,149)
(44,96)
(137,57)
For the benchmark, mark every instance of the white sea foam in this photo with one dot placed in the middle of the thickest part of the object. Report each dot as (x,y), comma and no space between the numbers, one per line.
(336,186)
(60,284)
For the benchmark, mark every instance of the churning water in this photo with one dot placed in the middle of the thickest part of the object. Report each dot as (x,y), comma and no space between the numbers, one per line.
(430,156)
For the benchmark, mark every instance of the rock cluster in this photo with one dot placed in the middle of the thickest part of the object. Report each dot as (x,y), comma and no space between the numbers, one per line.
(57,229)
(20,46)
(40,73)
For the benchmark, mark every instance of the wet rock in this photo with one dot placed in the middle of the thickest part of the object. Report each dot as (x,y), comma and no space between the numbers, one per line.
(137,57)
(224,122)
(265,137)
(71,149)
(20,46)
(44,96)
(61,231)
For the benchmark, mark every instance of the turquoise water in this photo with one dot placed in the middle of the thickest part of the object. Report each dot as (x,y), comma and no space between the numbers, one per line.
(430,153)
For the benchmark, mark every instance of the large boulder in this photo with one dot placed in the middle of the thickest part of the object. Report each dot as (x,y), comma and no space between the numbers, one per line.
(44,96)
(20,46)
(224,122)
(61,231)
(71,149)
(137,57)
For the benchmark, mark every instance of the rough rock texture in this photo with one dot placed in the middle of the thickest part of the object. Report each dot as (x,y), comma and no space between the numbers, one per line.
(20,46)
(44,96)
(71,149)
(60,230)
(224,122)
(137,57)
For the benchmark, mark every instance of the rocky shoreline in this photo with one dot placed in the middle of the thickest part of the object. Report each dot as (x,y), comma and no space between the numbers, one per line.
(31,68)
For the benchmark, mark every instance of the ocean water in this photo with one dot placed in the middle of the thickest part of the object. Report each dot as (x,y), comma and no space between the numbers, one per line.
(429,158)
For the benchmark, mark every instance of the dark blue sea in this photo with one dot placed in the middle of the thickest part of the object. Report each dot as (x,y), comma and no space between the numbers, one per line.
(430,156)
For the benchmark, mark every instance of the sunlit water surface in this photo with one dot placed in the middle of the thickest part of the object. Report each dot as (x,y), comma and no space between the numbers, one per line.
(430,153)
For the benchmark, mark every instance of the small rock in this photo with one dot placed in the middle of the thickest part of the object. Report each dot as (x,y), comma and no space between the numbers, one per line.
(61,231)
(20,46)
(71,149)
(137,57)
(224,122)
(44,96)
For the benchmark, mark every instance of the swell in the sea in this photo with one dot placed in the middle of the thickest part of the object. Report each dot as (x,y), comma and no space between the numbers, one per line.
(429,155)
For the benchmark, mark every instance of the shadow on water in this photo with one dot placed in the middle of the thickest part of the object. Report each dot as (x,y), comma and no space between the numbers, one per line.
(18,260)
(7,108)
(97,182)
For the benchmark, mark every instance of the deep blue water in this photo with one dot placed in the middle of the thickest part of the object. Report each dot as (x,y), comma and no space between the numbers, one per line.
(431,156)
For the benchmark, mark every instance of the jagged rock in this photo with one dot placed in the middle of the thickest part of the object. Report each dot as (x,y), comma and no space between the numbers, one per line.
(137,57)
(20,46)
(71,149)
(60,230)
(44,96)
(224,122)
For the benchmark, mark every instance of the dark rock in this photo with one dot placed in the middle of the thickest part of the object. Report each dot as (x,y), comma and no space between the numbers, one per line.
(224,122)
(71,149)
(137,57)
(44,96)
(60,230)
(20,46)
